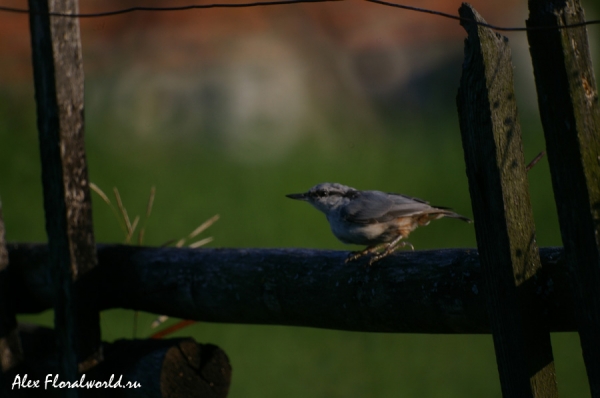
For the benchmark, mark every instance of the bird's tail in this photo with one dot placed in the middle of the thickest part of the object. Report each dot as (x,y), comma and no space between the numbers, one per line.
(456,215)
(447,212)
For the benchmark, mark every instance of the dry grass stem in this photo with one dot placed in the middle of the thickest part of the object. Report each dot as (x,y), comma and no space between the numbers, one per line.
(129,229)
(204,226)
(159,321)
(535,160)
(106,200)
(196,232)
(141,237)
(123,210)
(201,242)
(148,212)
(100,193)
(133,227)
(150,201)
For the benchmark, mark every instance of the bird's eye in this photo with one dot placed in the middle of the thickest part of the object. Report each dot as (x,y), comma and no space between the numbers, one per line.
(323,193)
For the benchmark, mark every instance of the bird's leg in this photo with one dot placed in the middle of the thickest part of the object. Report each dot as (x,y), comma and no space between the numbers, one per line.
(392,246)
(358,254)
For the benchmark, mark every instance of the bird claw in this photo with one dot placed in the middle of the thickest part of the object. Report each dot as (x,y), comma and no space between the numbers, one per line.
(351,257)
(412,248)
(389,250)
(356,255)
(376,258)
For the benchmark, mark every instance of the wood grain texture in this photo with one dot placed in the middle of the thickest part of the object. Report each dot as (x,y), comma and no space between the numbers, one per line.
(504,225)
(437,291)
(177,367)
(570,113)
(58,77)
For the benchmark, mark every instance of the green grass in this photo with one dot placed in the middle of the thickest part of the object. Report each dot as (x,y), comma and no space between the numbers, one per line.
(196,179)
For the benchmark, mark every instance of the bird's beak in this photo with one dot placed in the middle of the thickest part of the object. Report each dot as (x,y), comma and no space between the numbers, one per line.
(298,196)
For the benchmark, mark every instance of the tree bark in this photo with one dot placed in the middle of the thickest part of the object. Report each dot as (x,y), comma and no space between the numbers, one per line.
(162,368)
(58,78)
(438,291)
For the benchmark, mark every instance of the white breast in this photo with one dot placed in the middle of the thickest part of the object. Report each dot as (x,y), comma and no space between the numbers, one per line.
(358,234)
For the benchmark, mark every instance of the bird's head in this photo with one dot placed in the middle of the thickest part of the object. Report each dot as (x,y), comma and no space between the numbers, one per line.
(326,196)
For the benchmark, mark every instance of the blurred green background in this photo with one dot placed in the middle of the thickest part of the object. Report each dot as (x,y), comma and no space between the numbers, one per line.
(229,129)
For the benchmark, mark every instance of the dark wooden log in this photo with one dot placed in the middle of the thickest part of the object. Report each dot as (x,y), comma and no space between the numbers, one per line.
(436,291)
(570,113)
(162,368)
(58,77)
(11,354)
(504,226)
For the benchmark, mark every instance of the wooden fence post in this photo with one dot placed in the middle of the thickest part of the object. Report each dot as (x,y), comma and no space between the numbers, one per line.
(58,77)
(570,113)
(504,226)
(11,353)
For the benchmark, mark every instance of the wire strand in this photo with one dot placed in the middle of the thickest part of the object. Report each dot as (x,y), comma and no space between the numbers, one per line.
(484,24)
(286,2)
(177,8)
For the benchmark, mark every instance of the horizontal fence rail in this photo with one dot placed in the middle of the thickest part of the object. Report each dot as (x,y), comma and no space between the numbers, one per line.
(438,291)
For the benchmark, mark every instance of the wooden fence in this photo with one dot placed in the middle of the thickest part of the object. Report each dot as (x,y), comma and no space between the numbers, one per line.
(509,287)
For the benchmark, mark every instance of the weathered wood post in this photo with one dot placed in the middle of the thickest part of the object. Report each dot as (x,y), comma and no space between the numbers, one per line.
(58,77)
(504,226)
(570,113)
(11,353)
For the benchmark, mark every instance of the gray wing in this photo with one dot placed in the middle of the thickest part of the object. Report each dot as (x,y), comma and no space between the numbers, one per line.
(376,206)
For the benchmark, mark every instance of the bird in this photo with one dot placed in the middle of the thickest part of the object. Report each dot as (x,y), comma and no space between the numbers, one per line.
(379,220)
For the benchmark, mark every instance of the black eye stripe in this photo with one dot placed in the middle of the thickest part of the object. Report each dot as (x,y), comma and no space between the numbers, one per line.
(351,194)
(320,193)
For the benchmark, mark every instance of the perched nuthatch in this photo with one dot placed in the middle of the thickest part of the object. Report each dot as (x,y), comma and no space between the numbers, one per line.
(377,219)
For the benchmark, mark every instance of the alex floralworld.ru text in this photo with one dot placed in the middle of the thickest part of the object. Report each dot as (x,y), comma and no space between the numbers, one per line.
(52,381)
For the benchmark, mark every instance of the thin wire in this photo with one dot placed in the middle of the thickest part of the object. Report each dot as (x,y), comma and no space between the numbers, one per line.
(285,2)
(179,8)
(484,24)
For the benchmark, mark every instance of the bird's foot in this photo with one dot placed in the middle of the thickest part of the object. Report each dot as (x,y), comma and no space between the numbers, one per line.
(389,250)
(405,243)
(358,254)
